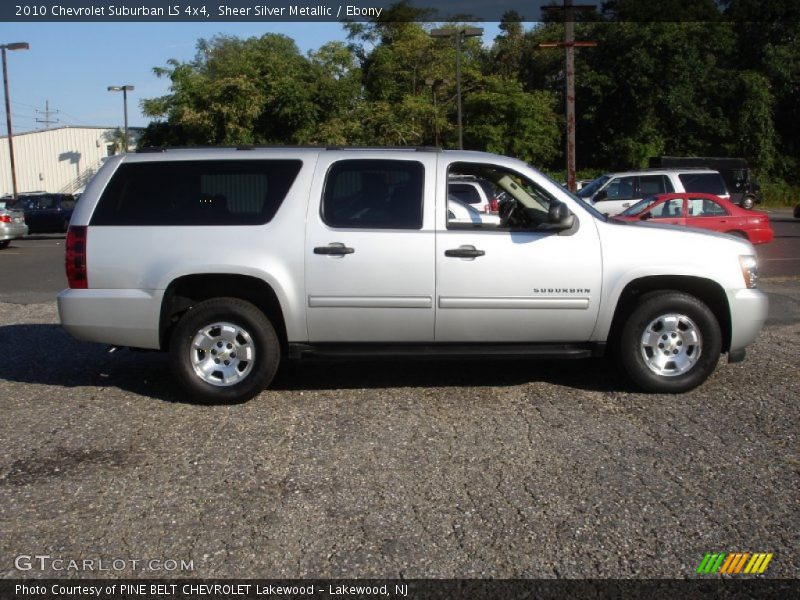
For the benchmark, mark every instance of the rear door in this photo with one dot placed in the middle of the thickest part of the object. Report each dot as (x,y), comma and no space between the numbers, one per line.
(706,213)
(370,247)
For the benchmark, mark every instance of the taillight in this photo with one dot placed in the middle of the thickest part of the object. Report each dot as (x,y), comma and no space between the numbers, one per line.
(5,218)
(76,258)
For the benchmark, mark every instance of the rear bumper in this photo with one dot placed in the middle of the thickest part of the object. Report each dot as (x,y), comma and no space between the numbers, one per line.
(116,317)
(13,231)
(748,312)
(761,236)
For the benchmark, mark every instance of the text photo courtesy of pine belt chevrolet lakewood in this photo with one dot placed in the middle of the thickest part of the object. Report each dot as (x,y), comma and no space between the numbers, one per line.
(232,259)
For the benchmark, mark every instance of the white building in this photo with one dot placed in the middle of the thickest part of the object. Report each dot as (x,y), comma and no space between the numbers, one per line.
(61,159)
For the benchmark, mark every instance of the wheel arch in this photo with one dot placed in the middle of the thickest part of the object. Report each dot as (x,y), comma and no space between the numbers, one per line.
(186,291)
(706,290)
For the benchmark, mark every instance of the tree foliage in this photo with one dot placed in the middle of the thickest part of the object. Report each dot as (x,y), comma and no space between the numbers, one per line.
(726,81)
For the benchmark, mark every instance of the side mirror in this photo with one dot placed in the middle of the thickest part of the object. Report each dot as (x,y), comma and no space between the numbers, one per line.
(558,213)
(645,215)
(558,217)
(601,195)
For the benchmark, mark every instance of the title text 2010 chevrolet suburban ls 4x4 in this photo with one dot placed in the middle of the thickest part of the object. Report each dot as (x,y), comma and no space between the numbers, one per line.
(231,259)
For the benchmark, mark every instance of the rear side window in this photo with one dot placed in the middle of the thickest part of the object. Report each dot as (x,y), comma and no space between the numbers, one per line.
(652,184)
(212,192)
(703,183)
(374,194)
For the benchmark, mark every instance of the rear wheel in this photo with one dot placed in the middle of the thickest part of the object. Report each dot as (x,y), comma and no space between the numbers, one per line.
(748,202)
(670,343)
(224,350)
(4,244)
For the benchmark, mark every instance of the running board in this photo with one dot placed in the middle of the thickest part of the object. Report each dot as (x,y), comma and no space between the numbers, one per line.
(422,351)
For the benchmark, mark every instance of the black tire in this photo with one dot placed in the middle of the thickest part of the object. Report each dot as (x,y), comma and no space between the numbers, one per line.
(4,244)
(687,312)
(748,202)
(249,331)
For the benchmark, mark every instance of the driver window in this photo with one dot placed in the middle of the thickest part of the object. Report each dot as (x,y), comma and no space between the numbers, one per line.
(620,189)
(513,201)
(669,209)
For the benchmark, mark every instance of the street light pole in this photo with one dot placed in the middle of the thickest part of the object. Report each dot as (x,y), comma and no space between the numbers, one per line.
(124,89)
(4,47)
(460,35)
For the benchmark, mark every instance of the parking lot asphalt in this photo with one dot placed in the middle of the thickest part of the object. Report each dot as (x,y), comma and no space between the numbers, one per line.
(394,469)
(390,469)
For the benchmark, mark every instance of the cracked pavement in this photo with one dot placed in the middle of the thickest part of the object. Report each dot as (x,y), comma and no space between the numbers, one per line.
(503,469)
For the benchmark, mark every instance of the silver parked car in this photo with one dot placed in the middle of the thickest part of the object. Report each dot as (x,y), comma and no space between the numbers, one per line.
(230,259)
(12,224)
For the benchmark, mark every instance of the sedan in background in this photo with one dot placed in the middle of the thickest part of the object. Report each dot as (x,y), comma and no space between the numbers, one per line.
(12,225)
(705,211)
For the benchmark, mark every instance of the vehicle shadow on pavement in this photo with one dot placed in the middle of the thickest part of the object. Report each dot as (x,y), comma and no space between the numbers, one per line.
(47,355)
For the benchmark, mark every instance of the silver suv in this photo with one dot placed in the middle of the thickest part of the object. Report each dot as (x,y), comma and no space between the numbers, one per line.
(613,193)
(231,260)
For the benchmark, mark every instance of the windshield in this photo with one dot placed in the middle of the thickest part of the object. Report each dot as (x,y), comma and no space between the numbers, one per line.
(580,202)
(590,188)
(639,206)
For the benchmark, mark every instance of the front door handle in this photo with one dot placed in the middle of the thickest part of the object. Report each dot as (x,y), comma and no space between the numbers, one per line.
(464,252)
(334,249)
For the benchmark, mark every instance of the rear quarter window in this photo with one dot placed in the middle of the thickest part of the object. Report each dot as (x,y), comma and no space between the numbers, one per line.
(703,183)
(213,192)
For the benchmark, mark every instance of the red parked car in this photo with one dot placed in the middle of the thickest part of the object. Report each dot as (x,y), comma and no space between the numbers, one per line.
(705,211)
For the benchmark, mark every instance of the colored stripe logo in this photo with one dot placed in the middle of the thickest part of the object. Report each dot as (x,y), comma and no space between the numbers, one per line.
(734,563)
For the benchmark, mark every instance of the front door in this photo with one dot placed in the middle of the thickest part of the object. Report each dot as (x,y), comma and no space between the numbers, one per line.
(499,284)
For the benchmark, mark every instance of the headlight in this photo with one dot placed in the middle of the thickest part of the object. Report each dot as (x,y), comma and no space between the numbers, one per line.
(749,266)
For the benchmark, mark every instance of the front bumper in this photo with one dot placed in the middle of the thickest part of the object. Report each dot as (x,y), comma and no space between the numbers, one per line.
(749,308)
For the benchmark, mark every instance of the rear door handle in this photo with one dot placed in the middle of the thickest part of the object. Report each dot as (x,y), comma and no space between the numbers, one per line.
(464,252)
(334,249)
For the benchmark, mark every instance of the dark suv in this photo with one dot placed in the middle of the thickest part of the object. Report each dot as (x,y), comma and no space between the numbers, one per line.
(45,212)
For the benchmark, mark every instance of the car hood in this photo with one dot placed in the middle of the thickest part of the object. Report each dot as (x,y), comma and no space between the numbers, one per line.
(636,249)
(635,222)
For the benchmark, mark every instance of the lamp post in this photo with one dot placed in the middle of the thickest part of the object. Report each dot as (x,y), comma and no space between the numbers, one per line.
(435,83)
(4,47)
(460,34)
(124,89)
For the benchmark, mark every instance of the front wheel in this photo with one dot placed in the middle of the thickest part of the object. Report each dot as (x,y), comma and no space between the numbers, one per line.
(670,343)
(224,350)
(4,244)
(748,202)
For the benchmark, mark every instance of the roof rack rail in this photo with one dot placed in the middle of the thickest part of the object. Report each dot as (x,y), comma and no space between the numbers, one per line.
(414,148)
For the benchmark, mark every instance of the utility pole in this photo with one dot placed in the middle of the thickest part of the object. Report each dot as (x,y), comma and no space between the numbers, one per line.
(567,11)
(47,112)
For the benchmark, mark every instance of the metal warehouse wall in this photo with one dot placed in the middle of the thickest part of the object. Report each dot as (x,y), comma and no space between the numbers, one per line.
(54,160)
